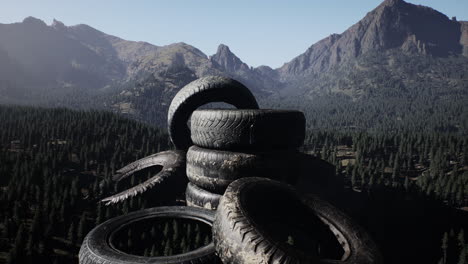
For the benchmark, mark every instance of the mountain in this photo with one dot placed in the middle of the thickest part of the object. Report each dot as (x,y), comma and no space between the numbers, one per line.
(225,60)
(50,56)
(401,66)
(394,24)
(56,61)
(407,61)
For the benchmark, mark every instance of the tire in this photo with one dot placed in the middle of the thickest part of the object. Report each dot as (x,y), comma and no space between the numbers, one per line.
(97,247)
(171,176)
(253,130)
(263,221)
(199,92)
(197,197)
(318,177)
(214,170)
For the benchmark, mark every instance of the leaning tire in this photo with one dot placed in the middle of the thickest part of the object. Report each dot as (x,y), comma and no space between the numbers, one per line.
(214,170)
(263,221)
(197,197)
(170,177)
(97,247)
(199,92)
(255,129)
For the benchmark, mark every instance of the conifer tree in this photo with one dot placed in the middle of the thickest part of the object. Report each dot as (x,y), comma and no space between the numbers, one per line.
(444,247)
(82,228)
(71,233)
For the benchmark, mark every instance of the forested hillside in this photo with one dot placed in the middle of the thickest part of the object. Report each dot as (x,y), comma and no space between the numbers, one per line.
(51,163)
(397,184)
(384,91)
(411,185)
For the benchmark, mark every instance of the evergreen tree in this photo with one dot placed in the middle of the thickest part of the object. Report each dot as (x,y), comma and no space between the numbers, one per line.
(444,247)
(82,228)
(71,233)
(462,259)
(6,228)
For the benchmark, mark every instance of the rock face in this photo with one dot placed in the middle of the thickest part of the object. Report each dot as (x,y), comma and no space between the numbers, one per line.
(225,60)
(394,24)
(464,37)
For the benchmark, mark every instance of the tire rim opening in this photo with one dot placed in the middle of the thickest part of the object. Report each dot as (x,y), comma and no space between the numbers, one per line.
(160,237)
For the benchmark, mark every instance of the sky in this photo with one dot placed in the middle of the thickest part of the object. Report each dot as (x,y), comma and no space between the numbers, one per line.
(259,32)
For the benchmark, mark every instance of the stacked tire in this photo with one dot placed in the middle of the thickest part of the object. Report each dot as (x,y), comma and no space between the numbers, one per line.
(230,144)
(265,221)
(230,155)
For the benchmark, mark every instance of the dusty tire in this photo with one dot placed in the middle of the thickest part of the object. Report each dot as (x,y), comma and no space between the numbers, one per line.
(254,129)
(172,175)
(262,221)
(97,246)
(318,177)
(199,92)
(197,197)
(214,170)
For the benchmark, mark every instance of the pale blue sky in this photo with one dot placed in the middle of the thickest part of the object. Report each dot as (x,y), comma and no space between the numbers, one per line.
(263,32)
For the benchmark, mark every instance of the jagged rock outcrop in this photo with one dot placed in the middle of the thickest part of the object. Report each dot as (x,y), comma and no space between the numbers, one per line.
(32,21)
(225,60)
(464,37)
(58,25)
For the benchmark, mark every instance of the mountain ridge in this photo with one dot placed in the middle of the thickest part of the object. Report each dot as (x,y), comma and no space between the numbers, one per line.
(392,24)
(79,66)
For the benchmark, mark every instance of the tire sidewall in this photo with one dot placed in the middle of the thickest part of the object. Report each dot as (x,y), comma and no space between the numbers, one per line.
(98,244)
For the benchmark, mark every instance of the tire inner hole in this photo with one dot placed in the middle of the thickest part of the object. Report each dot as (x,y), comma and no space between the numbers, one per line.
(163,236)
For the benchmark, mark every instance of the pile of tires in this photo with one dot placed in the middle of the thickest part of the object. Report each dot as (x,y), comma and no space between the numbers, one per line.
(238,162)
(230,144)
(264,221)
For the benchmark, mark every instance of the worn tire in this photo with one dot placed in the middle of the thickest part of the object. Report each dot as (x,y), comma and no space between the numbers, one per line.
(199,92)
(172,175)
(97,247)
(197,197)
(256,217)
(214,170)
(254,129)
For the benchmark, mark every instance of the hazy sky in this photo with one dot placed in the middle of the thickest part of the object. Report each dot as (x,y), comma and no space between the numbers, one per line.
(262,32)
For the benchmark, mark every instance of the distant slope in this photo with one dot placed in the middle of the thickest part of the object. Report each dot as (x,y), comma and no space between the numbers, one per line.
(57,61)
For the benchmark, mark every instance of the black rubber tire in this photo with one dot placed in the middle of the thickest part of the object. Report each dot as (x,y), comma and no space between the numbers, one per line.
(172,175)
(318,177)
(253,130)
(199,92)
(245,228)
(214,170)
(97,247)
(197,197)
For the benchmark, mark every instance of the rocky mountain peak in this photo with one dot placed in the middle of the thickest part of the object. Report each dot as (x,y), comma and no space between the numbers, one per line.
(226,60)
(392,2)
(394,24)
(34,21)
(58,24)
(223,49)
